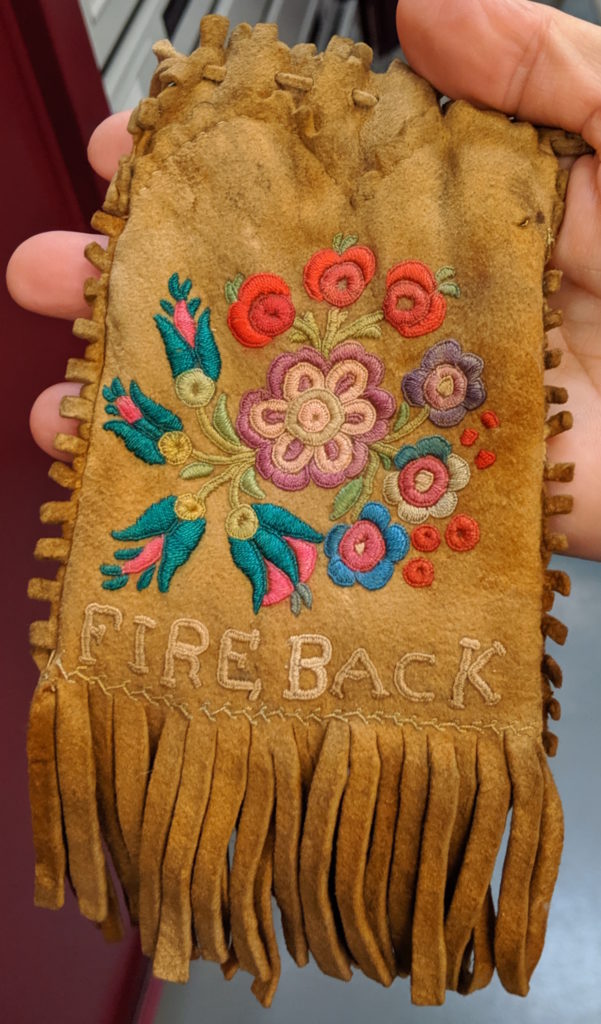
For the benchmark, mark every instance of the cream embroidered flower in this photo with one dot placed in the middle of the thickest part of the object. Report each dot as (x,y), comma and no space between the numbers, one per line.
(426,480)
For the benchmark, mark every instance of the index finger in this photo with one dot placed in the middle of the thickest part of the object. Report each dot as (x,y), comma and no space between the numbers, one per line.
(524,58)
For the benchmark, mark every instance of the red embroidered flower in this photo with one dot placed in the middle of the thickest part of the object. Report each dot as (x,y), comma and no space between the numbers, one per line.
(262,311)
(341,274)
(415,301)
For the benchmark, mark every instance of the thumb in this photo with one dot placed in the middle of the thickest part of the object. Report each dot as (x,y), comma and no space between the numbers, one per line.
(523,58)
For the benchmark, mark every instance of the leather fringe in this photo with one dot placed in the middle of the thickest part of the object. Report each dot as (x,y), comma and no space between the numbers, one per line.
(390,857)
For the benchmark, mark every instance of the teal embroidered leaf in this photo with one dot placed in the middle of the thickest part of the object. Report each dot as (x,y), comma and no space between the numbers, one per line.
(195,470)
(115,582)
(124,554)
(278,552)
(250,485)
(156,413)
(402,417)
(142,446)
(111,409)
(180,355)
(157,519)
(222,422)
(347,497)
(110,570)
(179,545)
(168,307)
(193,306)
(174,287)
(246,556)
(146,578)
(280,520)
(185,288)
(118,388)
(206,347)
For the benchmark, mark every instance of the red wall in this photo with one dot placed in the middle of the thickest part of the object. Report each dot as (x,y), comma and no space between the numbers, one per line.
(55,966)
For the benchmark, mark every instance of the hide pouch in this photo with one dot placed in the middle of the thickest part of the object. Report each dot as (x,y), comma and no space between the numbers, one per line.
(296,638)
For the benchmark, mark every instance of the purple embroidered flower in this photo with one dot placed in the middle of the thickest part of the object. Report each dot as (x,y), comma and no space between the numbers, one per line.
(317,417)
(368,551)
(449,381)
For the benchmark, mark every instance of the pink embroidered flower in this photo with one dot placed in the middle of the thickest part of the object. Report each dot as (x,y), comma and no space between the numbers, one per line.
(317,416)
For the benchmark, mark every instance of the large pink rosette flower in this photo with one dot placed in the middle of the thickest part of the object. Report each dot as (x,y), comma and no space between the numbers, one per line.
(317,417)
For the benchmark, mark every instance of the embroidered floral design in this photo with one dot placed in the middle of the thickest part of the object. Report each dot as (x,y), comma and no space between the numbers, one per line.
(416,299)
(189,344)
(366,552)
(462,533)
(419,572)
(316,417)
(323,417)
(428,477)
(262,309)
(147,429)
(172,529)
(341,274)
(425,538)
(449,382)
(276,551)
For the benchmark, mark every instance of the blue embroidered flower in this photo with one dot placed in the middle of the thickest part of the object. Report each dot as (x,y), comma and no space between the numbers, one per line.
(171,529)
(367,551)
(149,430)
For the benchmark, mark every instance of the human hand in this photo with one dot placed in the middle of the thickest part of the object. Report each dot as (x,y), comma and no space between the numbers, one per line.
(546,68)
(543,66)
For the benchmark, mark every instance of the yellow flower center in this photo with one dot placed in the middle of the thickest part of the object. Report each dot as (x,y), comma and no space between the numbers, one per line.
(242,523)
(189,507)
(315,417)
(445,386)
(175,447)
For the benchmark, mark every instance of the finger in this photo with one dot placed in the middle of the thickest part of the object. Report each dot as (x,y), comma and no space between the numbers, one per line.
(46,273)
(578,248)
(109,141)
(524,58)
(45,420)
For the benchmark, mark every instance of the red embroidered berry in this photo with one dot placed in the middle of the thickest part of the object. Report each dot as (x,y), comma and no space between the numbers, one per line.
(484,459)
(339,275)
(468,437)
(462,533)
(419,572)
(425,538)
(490,419)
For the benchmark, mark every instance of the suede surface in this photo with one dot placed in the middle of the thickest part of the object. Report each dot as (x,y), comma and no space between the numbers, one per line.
(249,161)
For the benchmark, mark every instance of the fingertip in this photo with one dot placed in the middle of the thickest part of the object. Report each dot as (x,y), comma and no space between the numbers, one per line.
(45,420)
(109,141)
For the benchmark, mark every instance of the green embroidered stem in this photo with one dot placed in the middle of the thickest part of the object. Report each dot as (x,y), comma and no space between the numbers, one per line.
(368,484)
(386,445)
(223,460)
(212,435)
(305,330)
(215,483)
(365,327)
(336,317)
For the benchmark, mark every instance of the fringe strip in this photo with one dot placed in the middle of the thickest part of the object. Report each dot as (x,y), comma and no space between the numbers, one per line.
(390,856)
